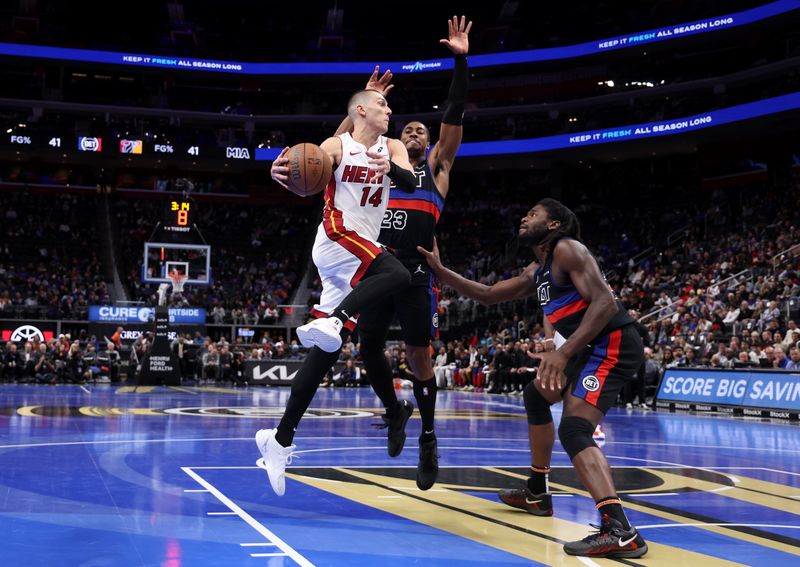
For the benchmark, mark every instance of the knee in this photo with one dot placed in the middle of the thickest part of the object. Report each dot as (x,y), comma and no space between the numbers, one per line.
(420,360)
(536,407)
(575,434)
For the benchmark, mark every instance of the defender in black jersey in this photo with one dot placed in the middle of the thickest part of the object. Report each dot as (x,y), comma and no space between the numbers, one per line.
(596,350)
(410,221)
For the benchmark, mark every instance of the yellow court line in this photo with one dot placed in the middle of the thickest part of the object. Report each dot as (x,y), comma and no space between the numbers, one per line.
(736,492)
(138,389)
(183,390)
(27,411)
(728,532)
(489,523)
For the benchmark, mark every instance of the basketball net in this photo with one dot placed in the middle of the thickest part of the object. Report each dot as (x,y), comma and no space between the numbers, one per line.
(178,280)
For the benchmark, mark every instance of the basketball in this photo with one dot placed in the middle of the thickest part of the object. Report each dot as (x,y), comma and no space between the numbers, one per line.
(309,169)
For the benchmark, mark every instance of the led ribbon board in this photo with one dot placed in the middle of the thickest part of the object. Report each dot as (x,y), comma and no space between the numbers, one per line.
(665,33)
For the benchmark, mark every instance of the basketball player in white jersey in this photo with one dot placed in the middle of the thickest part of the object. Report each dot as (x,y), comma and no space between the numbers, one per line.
(355,270)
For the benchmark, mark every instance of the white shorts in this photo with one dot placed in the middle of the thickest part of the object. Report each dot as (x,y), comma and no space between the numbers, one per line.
(341,262)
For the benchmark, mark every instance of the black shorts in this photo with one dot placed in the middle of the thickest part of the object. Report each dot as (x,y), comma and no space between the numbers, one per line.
(415,308)
(598,373)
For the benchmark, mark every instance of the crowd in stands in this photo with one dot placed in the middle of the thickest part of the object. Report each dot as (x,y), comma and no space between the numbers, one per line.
(49,264)
(60,360)
(724,280)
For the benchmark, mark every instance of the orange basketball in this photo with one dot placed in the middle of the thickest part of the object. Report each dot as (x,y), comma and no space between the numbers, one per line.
(309,169)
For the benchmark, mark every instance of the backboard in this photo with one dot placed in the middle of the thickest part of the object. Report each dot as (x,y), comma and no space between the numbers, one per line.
(160,258)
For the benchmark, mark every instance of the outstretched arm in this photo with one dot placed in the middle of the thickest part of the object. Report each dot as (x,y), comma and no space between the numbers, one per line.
(451,129)
(513,288)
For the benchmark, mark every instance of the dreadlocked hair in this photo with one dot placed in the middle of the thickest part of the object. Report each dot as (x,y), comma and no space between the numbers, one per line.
(569,227)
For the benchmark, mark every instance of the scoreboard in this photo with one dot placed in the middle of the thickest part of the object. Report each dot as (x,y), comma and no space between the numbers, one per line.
(179,215)
(132,146)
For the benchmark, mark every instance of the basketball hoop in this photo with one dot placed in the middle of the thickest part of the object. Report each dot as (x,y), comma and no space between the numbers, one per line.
(177,279)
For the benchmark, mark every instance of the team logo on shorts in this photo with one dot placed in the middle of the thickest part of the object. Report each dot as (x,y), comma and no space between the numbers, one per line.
(591,383)
(435,320)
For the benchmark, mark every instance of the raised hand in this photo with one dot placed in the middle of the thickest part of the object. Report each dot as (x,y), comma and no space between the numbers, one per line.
(382,85)
(458,35)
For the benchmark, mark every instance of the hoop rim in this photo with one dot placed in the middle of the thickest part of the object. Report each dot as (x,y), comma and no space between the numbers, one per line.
(178,280)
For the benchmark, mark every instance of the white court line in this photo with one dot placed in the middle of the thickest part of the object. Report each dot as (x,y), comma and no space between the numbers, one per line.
(85,389)
(777,471)
(654,493)
(587,561)
(283,546)
(259,544)
(195,490)
(471,439)
(661,464)
(221,513)
(720,524)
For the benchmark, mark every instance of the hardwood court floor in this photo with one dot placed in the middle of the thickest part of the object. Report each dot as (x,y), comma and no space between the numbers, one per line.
(166,477)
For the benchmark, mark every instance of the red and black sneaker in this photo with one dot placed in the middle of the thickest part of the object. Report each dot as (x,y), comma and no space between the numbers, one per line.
(524,499)
(610,540)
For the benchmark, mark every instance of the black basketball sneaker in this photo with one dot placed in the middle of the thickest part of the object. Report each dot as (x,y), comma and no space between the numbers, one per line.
(428,466)
(610,540)
(524,499)
(396,425)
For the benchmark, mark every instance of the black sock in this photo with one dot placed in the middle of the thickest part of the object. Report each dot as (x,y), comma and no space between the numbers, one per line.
(612,507)
(304,386)
(425,393)
(384,277)
(379,374)
(538,481)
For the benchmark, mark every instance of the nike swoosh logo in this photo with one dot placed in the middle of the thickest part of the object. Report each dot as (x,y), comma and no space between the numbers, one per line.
(535,502)
(624,543)
(355,153)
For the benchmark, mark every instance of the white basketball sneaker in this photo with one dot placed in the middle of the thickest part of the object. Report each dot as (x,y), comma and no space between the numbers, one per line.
(275,458)
(322,333)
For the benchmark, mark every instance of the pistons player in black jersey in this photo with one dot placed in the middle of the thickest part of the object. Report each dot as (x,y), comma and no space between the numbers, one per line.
(410,221)
(593,350)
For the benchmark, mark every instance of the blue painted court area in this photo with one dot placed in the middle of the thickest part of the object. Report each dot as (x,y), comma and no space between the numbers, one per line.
(167,477)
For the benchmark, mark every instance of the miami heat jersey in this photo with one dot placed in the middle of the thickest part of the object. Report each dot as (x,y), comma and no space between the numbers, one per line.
(564,307)
(352,203)
(410,220)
